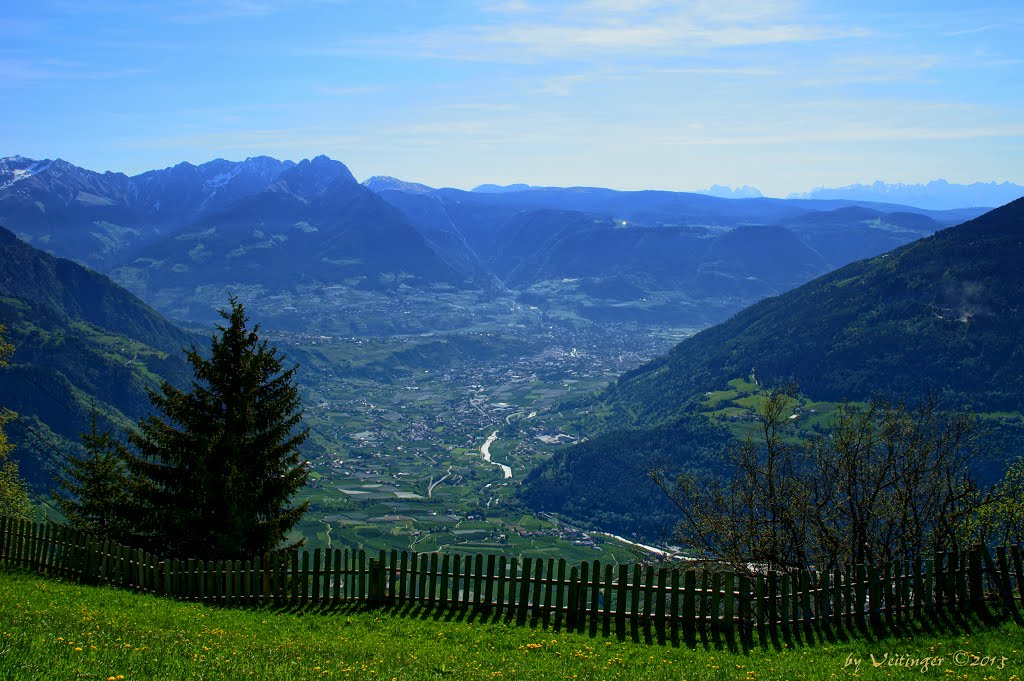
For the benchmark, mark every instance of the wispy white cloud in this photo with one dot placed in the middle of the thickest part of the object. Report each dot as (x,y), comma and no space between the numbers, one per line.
(969,31)
(510,7)
(249,140)
(847,134)
(19,72)
(887,68)
(582,30)
(202,11)
(477,106)
(344,91)
(562,86)
(708,70)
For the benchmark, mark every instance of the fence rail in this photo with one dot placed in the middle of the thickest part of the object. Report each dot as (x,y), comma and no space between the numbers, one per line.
(606,599)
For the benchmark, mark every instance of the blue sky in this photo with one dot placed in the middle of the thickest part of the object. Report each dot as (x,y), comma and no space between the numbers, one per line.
(630,94)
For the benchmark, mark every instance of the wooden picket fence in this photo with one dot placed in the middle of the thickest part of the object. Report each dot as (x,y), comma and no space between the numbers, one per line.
(610,599)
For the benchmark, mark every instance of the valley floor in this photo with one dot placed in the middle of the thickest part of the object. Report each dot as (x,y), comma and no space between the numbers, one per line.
(51,629)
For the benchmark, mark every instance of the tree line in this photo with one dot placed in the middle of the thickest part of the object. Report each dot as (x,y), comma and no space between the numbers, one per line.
(13,492)
(211,474)
(885,481)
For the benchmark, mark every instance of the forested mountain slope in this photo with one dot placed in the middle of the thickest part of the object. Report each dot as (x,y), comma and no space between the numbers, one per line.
(80,341)
(942,315)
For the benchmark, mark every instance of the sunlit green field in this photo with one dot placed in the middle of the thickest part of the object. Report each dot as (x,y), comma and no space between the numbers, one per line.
(55,630)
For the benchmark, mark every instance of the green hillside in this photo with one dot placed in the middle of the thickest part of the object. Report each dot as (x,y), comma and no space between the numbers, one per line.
(80,340)
(943,313)
(940,315)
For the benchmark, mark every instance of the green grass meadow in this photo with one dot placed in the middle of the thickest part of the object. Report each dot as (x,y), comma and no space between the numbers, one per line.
(50,629)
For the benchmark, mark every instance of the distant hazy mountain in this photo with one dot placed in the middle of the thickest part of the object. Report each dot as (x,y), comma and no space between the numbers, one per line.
(844,235)
(936,195)
(620,252)
(941,314)
(744,192)
(501,189)
(80,341)
(380,183)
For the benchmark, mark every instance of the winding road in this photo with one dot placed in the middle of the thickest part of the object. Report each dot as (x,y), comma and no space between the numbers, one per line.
(431,485)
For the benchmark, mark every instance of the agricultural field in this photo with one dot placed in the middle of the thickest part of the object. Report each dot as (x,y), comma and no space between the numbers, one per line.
(402,427)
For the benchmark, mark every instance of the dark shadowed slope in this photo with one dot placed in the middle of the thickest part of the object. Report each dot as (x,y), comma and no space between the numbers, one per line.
(80,341)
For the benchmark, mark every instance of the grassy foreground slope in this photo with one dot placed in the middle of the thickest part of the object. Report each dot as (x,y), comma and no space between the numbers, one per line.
(56,630)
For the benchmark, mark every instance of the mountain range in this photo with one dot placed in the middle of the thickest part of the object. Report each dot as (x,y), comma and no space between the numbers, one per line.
(936,195)
(307,237)
(653,256)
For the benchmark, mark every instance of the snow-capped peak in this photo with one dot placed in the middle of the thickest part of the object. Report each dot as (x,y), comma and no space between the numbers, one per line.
(16,168)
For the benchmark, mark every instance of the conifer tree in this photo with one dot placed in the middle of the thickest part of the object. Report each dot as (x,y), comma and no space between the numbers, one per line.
(13,492)
(95,487)
(214,476)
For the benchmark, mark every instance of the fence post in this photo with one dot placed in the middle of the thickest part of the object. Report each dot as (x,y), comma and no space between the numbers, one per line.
(30,546)
(746,623)
(44,549)
(570,618)
(444,597)
(975,579)
(393,578)
(524,588)
(513,575)
(1019,571)
(376,579)
(549,591)
(1005,588)
(537,587)
(609,596)
(773,599)
(595,596)
(295,577)
(659,604)
(19,542)
(788,589)
(316,576)
(560,594)
(859,593)
(729,605)
(338,572)
(807,585)
(38,552)
(689,609)
(761,605)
